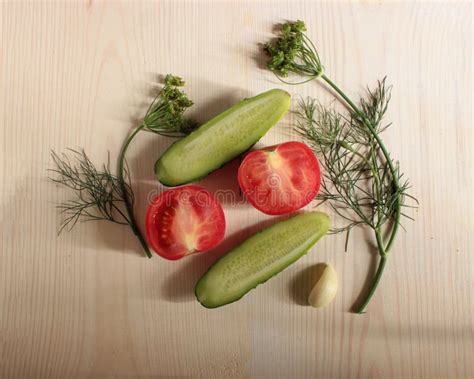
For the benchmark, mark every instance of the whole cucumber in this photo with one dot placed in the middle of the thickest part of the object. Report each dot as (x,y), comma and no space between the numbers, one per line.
(221,139)
(259,258)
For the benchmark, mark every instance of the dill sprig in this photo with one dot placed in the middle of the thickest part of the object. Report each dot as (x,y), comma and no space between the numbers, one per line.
(98,193)
(293,52)
(101,195)
(361,181)
(165,114)
(164,117)
(356,178)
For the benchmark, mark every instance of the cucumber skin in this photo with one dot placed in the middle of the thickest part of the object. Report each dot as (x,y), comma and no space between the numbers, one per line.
(321,223)
(167,175)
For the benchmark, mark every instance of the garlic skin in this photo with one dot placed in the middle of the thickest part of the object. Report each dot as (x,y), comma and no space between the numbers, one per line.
(325,288)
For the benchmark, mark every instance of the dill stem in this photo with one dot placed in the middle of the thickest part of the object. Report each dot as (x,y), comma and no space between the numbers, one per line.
(128,206)
(383,250)
(377,277)
(118,210)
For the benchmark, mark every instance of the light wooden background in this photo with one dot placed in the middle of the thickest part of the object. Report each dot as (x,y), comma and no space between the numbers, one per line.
(87,304)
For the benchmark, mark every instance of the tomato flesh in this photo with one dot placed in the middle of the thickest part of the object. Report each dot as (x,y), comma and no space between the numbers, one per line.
(280,179)
(183,221)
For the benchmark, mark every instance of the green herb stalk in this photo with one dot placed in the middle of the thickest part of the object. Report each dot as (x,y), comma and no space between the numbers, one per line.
(100,195)
(366,184)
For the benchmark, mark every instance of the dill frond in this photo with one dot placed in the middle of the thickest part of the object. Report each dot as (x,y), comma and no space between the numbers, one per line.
(100,195)
(97,193)
(361,181)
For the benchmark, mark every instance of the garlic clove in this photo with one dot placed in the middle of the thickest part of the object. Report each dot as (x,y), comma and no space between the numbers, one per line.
(325,288)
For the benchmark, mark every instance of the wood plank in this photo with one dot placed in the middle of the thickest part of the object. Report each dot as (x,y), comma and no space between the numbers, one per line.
(87,304)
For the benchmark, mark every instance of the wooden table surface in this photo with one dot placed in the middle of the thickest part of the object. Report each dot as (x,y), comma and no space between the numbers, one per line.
(88,304)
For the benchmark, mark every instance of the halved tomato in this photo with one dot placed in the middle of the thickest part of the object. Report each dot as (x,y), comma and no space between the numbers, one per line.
(280,179)
(183,221)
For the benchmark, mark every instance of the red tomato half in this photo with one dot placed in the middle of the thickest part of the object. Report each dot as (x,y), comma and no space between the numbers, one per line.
(184,220)
(280,179)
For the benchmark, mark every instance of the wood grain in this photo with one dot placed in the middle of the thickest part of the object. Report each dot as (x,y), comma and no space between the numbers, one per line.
(86,304)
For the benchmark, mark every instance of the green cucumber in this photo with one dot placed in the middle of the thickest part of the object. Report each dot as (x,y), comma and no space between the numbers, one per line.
(259,258)
(221,139)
